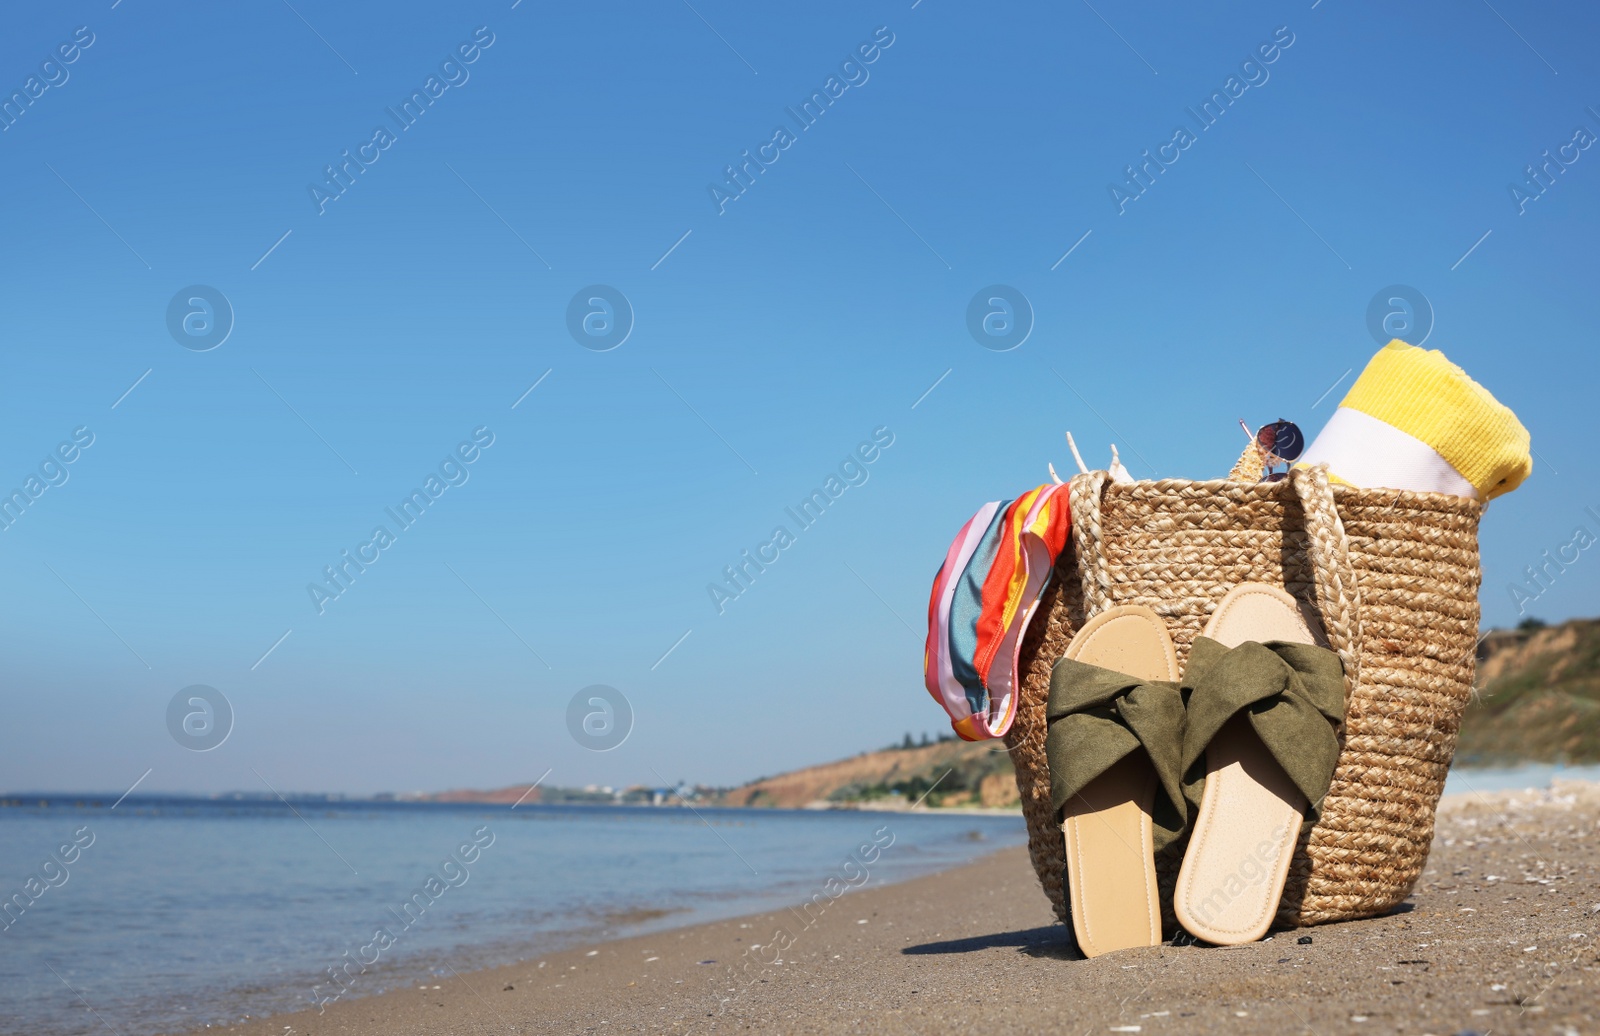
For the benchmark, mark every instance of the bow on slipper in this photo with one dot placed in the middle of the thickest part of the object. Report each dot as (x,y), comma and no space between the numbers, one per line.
(1100,717)
(1291,695)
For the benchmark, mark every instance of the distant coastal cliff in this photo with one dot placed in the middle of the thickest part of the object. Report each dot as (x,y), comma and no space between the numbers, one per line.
(1538,696)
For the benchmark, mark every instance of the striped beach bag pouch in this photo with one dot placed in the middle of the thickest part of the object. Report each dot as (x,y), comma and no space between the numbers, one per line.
(983,599)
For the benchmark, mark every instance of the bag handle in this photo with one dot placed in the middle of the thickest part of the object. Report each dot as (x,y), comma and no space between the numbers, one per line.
(1328,548)
(1085,491)
(1338,597)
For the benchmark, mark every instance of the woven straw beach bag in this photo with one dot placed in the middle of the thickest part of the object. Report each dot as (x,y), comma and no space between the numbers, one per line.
(1394,578)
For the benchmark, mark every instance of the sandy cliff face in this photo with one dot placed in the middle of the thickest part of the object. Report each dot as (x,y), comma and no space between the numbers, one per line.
(959,773)
(1538,697)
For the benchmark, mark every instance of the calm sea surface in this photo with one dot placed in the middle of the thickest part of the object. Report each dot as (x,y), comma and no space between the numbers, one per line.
(1473,780)
(165,914)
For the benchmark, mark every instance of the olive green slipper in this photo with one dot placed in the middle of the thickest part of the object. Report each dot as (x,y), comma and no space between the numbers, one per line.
(1115,734)
(1264,704)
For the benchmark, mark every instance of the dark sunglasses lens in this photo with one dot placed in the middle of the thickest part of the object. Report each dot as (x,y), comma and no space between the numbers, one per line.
(1282,438)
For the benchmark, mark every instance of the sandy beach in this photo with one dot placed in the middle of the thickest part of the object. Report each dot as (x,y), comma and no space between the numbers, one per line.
(1499,936)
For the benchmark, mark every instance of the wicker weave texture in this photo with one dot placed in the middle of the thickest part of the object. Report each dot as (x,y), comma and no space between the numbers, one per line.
(1178,547)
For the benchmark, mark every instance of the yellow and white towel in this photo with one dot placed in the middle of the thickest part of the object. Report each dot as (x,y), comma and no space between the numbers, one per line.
(1414,420)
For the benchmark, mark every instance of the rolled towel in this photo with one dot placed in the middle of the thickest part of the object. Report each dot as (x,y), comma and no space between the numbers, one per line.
(1414,420)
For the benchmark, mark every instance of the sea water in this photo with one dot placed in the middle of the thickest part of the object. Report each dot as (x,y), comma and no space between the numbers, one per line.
(1475,780)
(166,914)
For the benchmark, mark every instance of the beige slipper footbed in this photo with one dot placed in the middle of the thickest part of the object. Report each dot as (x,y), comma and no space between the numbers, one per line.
(1111,874)
(1244,836)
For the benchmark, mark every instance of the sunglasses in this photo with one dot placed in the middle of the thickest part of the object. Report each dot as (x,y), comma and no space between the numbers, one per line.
(1272,445)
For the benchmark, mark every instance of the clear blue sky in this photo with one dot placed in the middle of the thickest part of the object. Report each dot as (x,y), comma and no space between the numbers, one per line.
(977,148)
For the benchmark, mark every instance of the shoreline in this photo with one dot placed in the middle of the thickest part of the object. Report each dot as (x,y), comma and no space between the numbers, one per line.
(978,944)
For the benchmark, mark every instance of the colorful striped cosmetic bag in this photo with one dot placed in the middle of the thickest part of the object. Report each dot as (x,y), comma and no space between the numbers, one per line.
(982,601)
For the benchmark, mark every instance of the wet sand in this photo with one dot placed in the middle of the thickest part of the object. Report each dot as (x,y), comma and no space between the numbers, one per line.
(1500,936)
